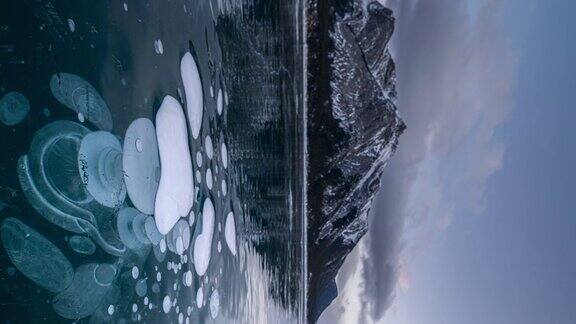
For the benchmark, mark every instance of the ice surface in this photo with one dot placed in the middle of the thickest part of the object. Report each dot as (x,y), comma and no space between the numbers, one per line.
(176,189)
(14,107)
(79,95)
(82,244)
(194,93)
(230,232)
(100,168)
(203,243)
(35,256)
(90,285)
(141,164)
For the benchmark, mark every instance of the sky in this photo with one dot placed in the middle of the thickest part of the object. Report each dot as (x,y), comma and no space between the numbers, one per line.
(474,222)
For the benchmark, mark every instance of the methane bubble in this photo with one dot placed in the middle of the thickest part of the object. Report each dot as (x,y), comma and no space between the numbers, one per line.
(194,93)
(82,244)
(141,164)
(35,256)
(176,189)
(77,94)
(51,181)
(90,285)
(100,167)
(203,243)
(14,107)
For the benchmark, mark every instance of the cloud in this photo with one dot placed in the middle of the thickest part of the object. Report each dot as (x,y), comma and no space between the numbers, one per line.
(454,74)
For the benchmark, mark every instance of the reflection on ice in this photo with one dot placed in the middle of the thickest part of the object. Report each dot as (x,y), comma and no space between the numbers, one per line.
(14,107)
(35,256)
(79,95)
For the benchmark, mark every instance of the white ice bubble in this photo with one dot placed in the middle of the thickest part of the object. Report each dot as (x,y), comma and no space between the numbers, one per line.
(110,309)
(135,272)
(224,187)
(214,304)
(198,176)
(203,243)
(224,155)
(219,104)
(209,147)
(209,179)
(125,7)
(230,233)
(162,245)
(226,97)
(194,94)
(199,297)
(81,117)
(158,47)
(198,159)
(187,280)
(175,193)
(211,91)
(71,25)
(166,304)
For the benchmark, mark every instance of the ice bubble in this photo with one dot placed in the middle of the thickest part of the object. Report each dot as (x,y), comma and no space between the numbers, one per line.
(194,94)
(138,226)
(85,293)
(214,303)
(187,280)
(203,243)
(126,227)
(134,308)
(224,155)
(158,254)
(100,167)
(110,309)
(224,187)
(198,176)
(152,231)
(35,256)
(158,47)
(81,117)
(230,233)
(156,288)
(104,274)
(226,97)
(14,107)
(141,164)
(219,102)
(135,272)
(82,244)
(141,287)
(125,7)
(79,95)
(198,159)
(209,179)
(71,25)
(52,184)
(176,189)
(166,304)
(46,112)
(180,237)
(199,297)
(209,147)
